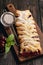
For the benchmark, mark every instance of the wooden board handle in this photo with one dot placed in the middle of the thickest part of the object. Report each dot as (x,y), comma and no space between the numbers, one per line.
(12,9)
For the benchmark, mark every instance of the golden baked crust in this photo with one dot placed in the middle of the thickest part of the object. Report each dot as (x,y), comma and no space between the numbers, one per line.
(27,32)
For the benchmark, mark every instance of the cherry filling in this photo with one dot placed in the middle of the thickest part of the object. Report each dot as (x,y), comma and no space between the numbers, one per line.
(27,54)
(29,16)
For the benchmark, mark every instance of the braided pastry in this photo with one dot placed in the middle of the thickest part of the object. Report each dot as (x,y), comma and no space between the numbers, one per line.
(27,33)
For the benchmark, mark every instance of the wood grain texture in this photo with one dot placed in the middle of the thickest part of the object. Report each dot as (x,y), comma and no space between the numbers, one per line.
(9,60)
(21,4)
(32,5)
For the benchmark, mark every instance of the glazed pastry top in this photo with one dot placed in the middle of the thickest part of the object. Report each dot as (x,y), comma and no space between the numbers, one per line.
(27,32)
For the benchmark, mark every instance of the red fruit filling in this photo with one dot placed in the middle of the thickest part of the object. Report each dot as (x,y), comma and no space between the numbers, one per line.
(27,54)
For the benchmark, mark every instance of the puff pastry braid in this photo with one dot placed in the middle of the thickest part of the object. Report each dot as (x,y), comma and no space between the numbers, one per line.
(27,34)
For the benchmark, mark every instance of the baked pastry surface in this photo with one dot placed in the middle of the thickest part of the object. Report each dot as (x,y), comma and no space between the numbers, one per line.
(27,33)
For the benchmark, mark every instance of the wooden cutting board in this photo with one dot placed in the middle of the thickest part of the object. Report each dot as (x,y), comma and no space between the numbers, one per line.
(28,58)
(12,9)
